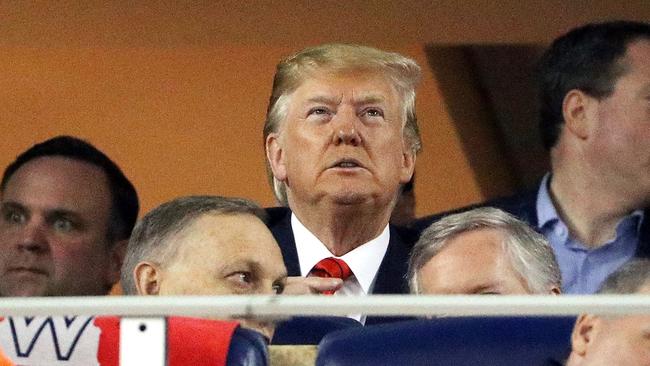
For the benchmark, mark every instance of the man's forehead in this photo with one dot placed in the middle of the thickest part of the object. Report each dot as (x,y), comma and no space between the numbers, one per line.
(58,182)
(223,228)
(58,167)
(636,59)
(362,84)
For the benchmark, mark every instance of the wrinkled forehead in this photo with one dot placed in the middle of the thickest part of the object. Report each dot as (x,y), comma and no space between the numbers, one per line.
(327,72)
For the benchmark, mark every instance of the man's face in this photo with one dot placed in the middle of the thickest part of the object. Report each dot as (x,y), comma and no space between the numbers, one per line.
(620,147)
(53,230)
(473,262)
(225,255)
(615,340)
(342,141)
(621,341)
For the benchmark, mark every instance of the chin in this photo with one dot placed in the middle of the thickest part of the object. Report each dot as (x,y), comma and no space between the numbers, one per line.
(349,198)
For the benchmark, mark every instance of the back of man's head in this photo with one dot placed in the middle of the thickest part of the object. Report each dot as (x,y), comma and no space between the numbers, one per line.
(124,198)
(587,59)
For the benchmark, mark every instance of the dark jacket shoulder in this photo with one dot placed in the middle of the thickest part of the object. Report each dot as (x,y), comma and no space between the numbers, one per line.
(522,206)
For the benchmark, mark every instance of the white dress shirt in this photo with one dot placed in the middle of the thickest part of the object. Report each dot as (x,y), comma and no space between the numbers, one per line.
(364,261)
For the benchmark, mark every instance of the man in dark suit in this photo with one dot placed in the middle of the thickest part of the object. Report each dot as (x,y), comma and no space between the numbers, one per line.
(341,138)
(595,120)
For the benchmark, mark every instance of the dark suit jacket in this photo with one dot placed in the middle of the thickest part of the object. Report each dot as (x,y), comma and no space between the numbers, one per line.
(524,206)
(391,277)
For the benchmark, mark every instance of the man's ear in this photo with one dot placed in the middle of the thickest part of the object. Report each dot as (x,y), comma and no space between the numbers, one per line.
(408,165)
(116,258)
(275,156)
(147,277)
(584,332)
(577,111)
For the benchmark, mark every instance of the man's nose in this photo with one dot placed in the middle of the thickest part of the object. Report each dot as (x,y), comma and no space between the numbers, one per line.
(345,129)
(33,237)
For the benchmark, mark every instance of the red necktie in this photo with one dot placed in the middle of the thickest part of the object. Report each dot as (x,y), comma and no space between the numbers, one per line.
(331,267)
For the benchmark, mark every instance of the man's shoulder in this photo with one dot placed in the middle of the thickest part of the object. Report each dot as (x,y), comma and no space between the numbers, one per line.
(403,236)
(521,205)
(277,216)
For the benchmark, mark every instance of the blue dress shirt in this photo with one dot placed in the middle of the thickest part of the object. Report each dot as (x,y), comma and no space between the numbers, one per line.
(584,269)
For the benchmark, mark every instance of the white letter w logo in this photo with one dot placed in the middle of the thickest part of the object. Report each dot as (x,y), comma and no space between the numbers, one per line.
(64,333)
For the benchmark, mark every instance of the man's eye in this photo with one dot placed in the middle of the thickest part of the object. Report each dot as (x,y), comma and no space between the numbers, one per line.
(278,288)
(63,225)
(374,112)
(318,111)
(241,278)
(14,217)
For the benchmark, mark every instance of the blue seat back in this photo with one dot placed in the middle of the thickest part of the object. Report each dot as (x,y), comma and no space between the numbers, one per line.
(247,348)
(458,341)
(308,330)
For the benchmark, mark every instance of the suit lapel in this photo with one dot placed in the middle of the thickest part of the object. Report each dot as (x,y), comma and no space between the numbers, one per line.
(643,249)
(280,226)
(391,276)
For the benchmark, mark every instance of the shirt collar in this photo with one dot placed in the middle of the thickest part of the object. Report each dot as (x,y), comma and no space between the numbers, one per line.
(545,209)
(364,261)
(546,212)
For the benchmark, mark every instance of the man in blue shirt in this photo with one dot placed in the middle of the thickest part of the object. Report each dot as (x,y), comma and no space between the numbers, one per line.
(595,121)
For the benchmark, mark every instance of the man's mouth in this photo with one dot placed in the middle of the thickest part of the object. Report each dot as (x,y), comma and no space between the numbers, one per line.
(347,164)
(23,269)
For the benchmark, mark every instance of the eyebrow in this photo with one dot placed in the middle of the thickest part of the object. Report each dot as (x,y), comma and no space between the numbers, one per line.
(58,212)
(369,99)
(363,99)
(490,287)
(238,265)
(324,99)
(282,277)
(15,205)
(48,213)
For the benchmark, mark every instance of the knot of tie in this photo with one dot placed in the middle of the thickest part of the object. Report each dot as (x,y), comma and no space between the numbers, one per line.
(331,267)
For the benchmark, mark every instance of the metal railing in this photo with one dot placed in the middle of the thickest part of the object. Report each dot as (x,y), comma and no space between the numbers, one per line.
(283,306)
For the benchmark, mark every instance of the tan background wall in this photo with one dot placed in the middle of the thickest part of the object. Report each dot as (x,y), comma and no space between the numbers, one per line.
(176,94)
(187,120)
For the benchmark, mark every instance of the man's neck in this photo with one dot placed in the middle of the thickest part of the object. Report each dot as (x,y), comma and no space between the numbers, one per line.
(342,228)
(588,206)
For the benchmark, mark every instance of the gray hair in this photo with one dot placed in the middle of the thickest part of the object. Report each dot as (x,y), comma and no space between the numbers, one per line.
(530,253)
(628,279)
(150,238)
(291,72)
